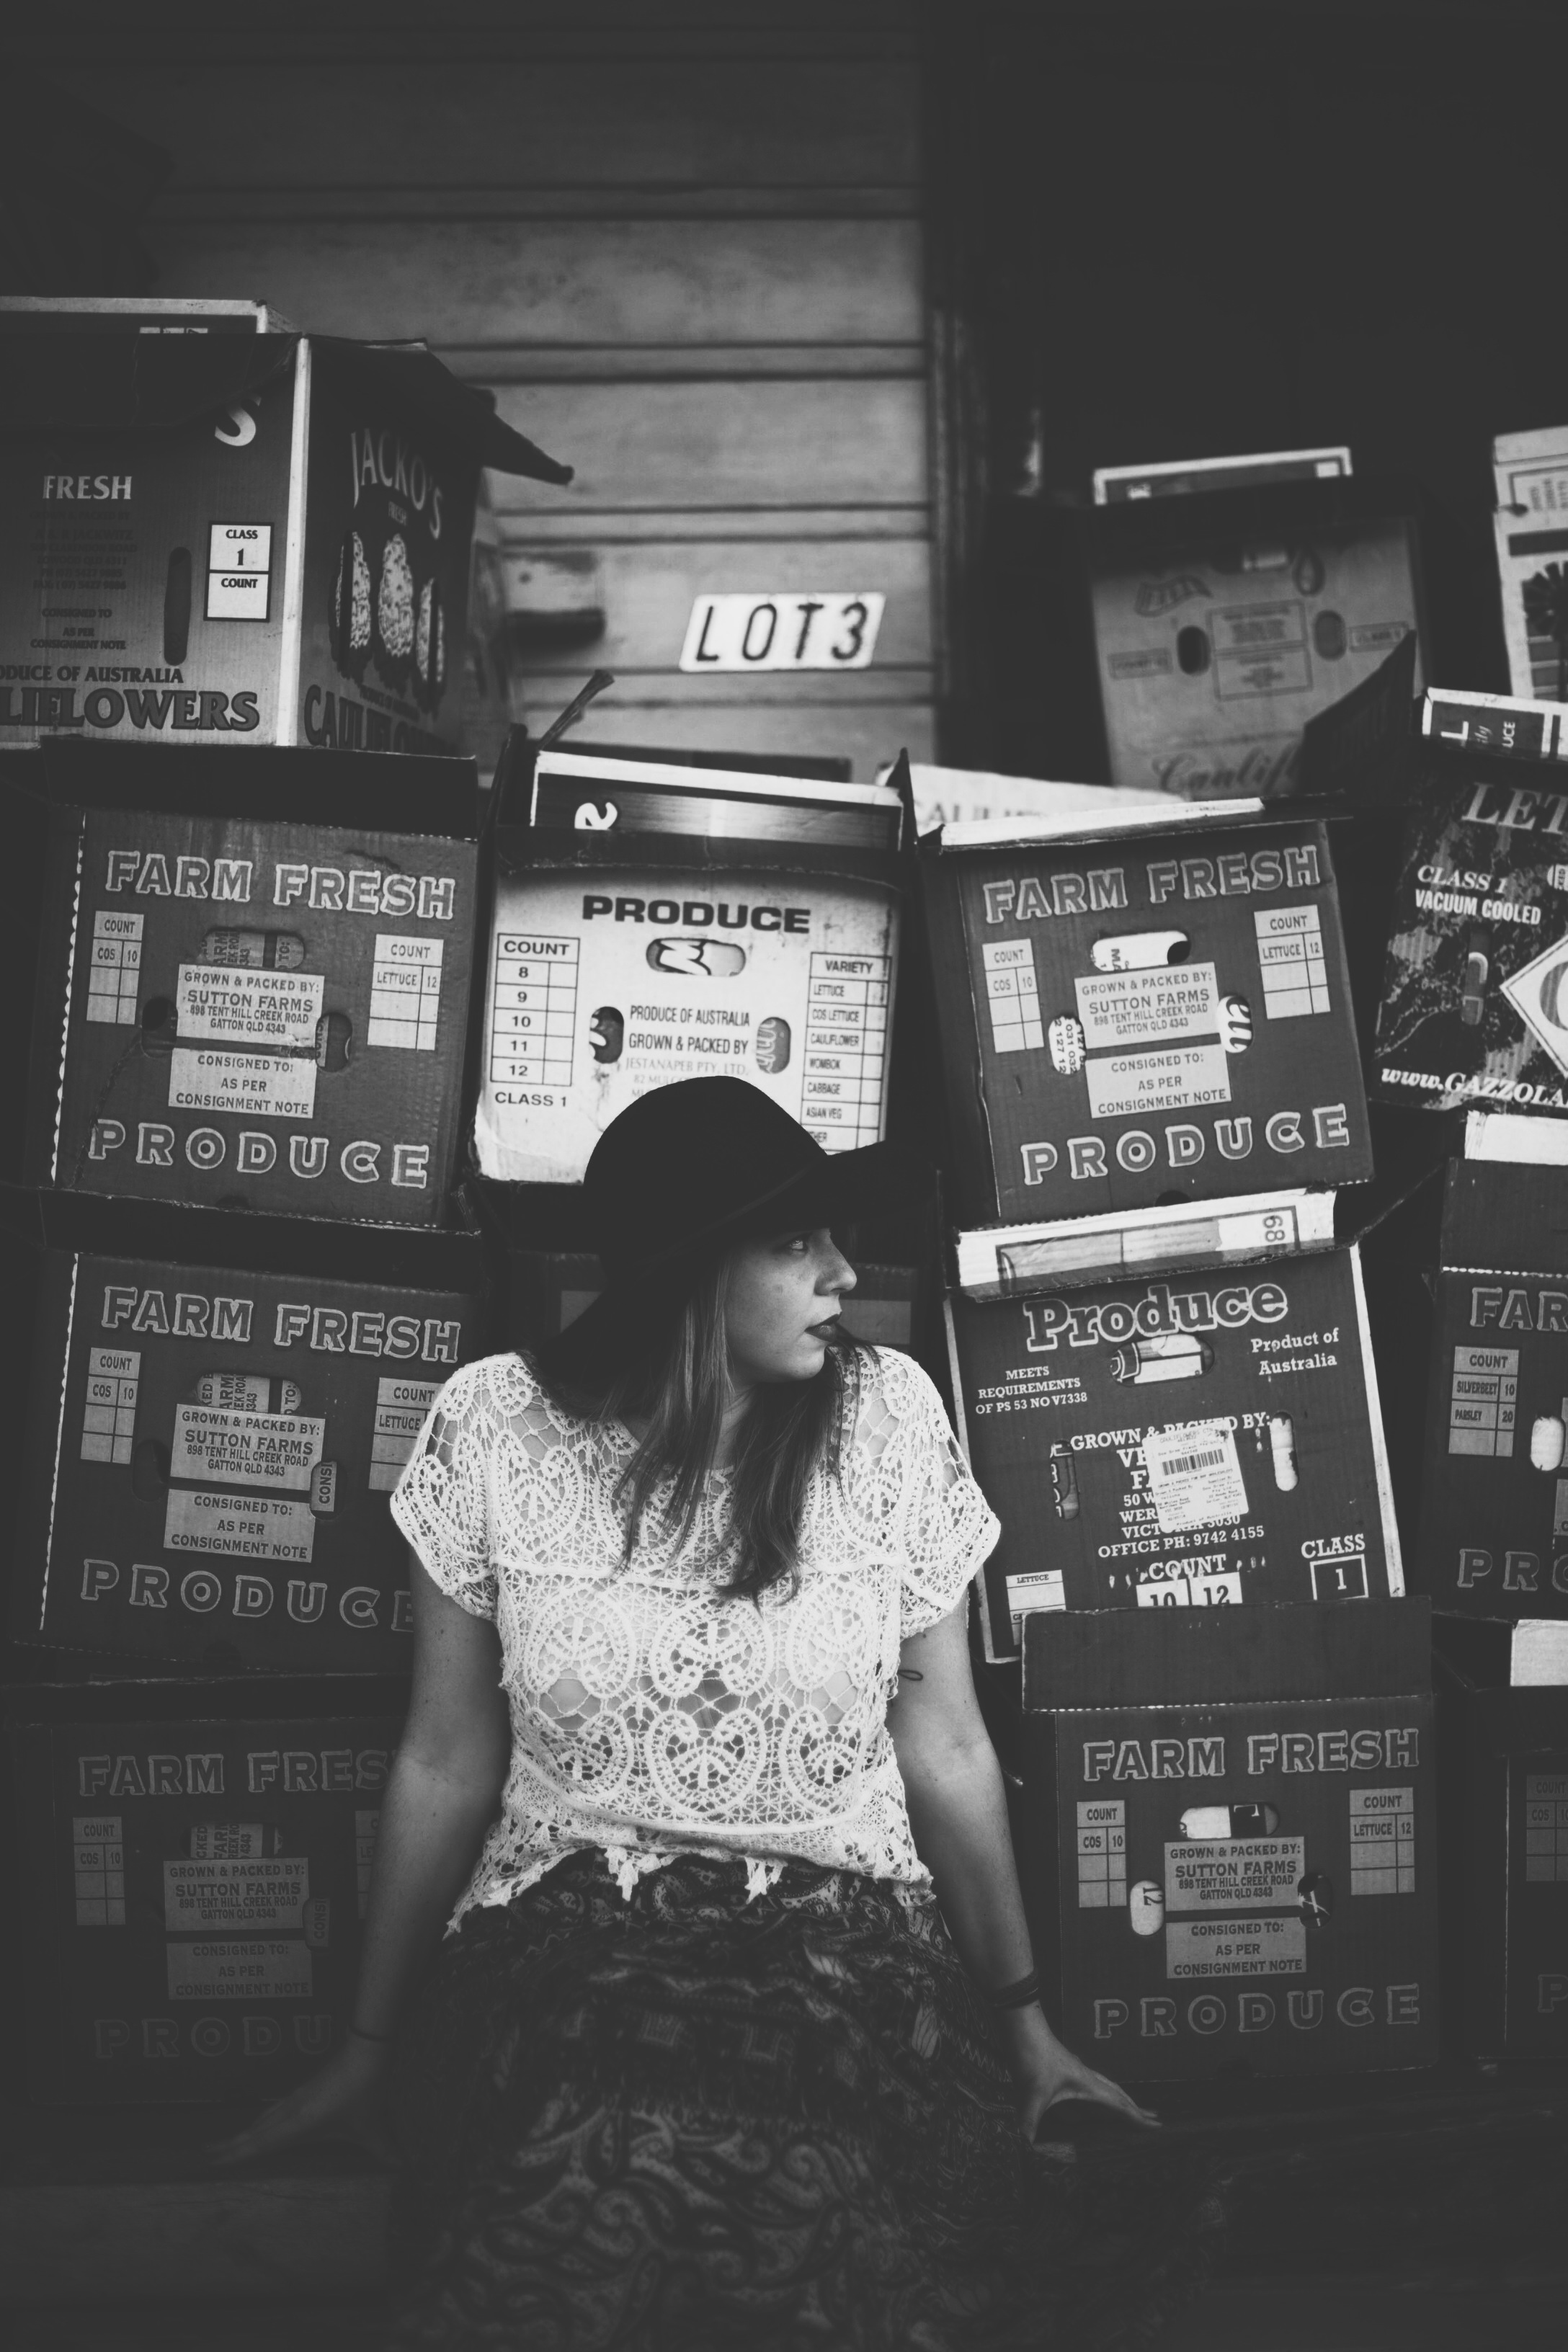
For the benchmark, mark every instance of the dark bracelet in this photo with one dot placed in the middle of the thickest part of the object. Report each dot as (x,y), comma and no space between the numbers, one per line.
(385,2040)
(1016,1996)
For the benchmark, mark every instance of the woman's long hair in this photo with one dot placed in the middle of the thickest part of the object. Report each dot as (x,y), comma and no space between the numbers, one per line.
(679,1385)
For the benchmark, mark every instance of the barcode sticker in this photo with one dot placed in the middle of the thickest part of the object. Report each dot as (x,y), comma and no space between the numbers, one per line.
(1194,1477)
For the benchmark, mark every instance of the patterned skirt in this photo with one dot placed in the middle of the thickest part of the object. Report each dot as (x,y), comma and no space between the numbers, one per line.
(686,2121)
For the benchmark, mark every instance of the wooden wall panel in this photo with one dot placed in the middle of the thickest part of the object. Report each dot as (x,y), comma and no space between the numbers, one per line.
(491,284)
(684,447)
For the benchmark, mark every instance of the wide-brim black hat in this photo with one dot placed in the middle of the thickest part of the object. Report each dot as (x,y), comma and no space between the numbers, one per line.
(692,1168)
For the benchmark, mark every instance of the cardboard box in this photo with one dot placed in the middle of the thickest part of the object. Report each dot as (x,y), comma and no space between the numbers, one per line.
(1134,1012)
(198,1865)
(1224,622)
(210,1449)
(1233,1813)
(654,923)
(550,1288)
(253,979)
(238,538)
(1493,1535)
(1176,476)
(1200,1438)
(1475,949)
(1530,474)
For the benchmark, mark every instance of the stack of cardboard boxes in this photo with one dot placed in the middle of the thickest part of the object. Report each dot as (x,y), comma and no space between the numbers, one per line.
(655,922)
(1166,1386)
(232,616)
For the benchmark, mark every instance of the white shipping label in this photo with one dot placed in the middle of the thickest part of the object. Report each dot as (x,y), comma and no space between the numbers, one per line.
(1194,1477)
(599,990)
(239,1526)
(1234,1873)
(405,993)
(202,1895)
(264,1968)
(247,1449)
(793,629)
(1134,1008)
(266,1086)
(1183,1077)
(239,1007)
(1256,1947)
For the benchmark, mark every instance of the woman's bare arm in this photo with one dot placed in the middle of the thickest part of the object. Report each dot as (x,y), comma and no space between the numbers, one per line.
(441,1797)
(958,1813)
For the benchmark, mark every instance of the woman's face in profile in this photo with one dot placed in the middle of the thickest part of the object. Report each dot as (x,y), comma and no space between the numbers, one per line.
(781,1305)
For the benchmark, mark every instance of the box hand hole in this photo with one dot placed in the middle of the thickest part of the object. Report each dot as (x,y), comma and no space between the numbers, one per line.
(1235,1023)
(1282,1452)
(334,1041)
(1140,950)
(255,950)
(1193,653)
(1169,1356)
(772,1047)
(1330,635)
(1547,1442)
(1477,969)
(160,1025)
(150,1471)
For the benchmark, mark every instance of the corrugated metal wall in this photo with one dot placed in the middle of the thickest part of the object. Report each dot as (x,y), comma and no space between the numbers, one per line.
(684,247)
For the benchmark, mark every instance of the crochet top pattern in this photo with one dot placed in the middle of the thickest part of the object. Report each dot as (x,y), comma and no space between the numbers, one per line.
(651,1715)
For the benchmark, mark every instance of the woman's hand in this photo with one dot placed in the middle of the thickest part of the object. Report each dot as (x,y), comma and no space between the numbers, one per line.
(345,2101)
(1047,2074)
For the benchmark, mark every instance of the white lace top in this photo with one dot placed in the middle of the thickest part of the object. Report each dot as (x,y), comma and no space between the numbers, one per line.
(649,1717)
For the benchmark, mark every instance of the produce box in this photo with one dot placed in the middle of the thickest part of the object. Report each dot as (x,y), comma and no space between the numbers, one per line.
(1493,1535)
(210,1448)
(1230,1829)
(1530,474)
(234,537)
(197,1864)
(1224,621)
(253,979)
(1142,1009)
(1251,1469)
(654,923)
